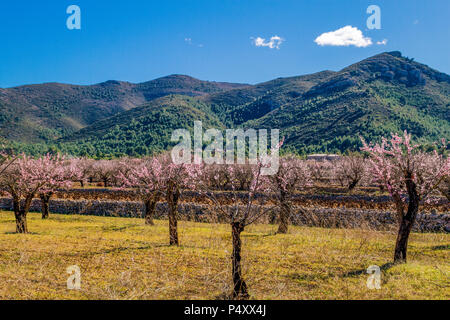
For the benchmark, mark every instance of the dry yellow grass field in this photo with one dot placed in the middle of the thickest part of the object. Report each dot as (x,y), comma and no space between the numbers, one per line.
(121,258)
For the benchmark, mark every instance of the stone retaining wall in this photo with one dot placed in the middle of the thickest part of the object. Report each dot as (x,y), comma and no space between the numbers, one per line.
(312,217)
(354,201)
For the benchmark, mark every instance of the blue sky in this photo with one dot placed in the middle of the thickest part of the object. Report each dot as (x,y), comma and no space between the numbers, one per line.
(139,40)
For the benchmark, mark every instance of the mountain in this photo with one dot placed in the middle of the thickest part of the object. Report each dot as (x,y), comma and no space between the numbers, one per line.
(44,112)
(382,94)
(240,105)
(148,128)
(323,112)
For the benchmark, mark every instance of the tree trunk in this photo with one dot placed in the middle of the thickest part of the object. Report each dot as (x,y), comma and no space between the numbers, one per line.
(446,193)
(407,222)
(21,221)
(444,188)
(45,200)
(105,183)
(82,183)
(173,195)
(352,185)
(21,213)
(150,206)
(400,208)
(239,285)
(285,213)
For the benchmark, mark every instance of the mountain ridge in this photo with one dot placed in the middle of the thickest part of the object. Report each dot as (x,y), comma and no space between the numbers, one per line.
(325,111)
(43,112)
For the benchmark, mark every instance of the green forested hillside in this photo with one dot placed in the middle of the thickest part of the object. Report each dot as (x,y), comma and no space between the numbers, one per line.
(141,131)
(323,112)
(238,106)
(383,94)
(46,112)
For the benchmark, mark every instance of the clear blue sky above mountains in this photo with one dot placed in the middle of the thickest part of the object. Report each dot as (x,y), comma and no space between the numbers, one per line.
(139,40)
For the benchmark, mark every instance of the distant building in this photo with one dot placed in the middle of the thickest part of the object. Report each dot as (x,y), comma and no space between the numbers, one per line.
(323,157)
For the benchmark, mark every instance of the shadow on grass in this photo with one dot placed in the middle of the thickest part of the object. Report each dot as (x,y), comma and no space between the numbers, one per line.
(443,247)
(166,245)
(121,249)
(354,273)
(104,251)
(309,277)
(247,235)
(146,247)
(28,233)
(119,229)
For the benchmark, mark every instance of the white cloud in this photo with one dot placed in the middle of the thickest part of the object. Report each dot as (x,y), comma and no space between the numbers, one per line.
(274,42)
(191,43)
(346,36)
(384,42)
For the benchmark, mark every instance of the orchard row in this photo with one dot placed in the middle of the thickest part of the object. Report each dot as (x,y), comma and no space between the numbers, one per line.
(409,174)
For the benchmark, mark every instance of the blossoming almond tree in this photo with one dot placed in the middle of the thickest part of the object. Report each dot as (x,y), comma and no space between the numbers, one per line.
(147,178)
(320,171)
(60,174)
(176,177)
(350,170)
(156,178)
(215,177)
(85,169)
(27,177)
(410,175)
(240,208)
(293,175)
(105,170)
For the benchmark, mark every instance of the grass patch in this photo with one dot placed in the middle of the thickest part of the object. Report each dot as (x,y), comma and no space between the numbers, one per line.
(121,258)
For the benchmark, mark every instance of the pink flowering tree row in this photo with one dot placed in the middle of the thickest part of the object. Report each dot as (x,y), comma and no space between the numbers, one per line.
(27,177)
(350,170)
(105,171)
(409,174)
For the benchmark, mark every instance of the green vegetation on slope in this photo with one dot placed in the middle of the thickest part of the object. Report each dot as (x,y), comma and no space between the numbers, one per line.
(142,131)
(46,112)
(323,112)
(333,123)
